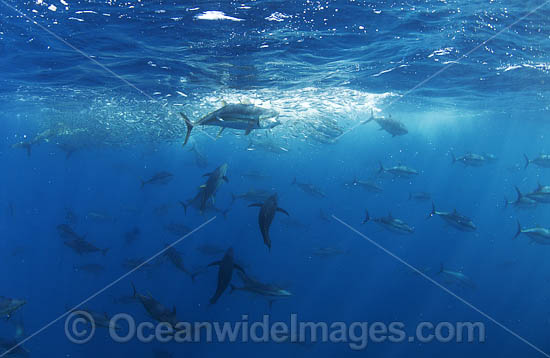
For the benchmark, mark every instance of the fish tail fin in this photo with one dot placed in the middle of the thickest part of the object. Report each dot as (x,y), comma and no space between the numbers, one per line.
(433,212)
(189,127)
(518,231)
(271,304)
(104,251)
(142,183)
(233,198)
(232,288)
(134,294)
(453,156)
(520,195)
(184,206)
(371,117)
(367,217)
(526,160)
(441,268)
(381,169)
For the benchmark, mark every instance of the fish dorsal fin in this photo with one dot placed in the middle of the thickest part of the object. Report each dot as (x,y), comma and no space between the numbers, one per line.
(223,103)
(174,310)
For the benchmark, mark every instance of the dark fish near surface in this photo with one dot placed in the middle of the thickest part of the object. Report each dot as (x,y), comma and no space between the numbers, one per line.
(254,286)
(156,310)
(197,201)
(456,277)
(454,219)
(95,269)
(158,178)
(177,229)
(252,195)
(8,306)
(215,180)
(420,196)
(81,246)
(225,273)
(132,235)
(470,160)
(392,126)
(391,224)
(67,233)
(177,260)
(309,189)
(542,160)
(236,116)
(324,216)
(399,171)
(267,213)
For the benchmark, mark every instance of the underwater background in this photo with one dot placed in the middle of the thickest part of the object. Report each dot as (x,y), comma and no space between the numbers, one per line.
(91,94)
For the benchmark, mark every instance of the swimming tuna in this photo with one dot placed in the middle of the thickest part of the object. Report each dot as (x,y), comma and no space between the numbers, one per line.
(309,189)
(522,202)
(541,194)
(81,246)
(236,116)
(392,126)
(542,160)
(538,235)
(456,277)
(367,185)
(156,310)
(252,195)
(420,196)
(215,180)
(8,306)
(267,213)
(470,160)
(158,178)
(454,219)
(225,273)
(399,171)
(177,260)
(391,224)
(256,287)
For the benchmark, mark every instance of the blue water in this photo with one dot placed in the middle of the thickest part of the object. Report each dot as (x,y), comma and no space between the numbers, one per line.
(107,79)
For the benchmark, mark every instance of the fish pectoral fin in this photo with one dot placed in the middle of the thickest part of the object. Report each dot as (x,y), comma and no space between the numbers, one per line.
(256,204)
(248,130)
(226,179)
(207,174)
(281,210)
(220,132)
(238,267)
(215,263)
